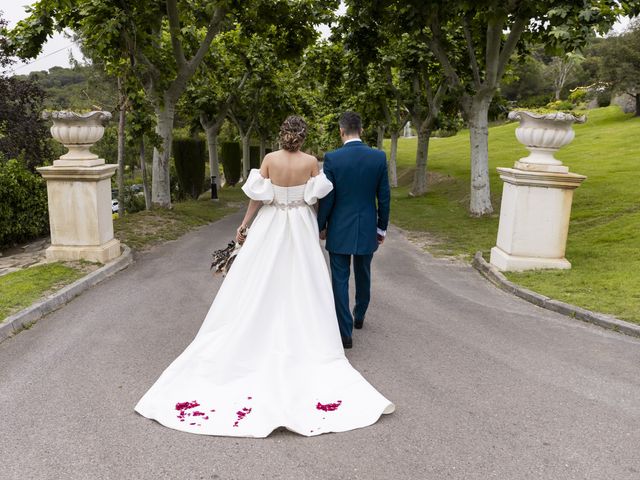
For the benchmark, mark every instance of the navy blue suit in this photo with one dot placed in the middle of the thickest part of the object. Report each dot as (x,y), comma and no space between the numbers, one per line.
(351,216)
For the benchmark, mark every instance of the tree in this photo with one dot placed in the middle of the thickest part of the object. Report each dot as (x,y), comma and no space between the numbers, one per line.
(620,62)
(166,42)
(524,81)
(408,78)
(213,89)
(560,70)
(325,93)
(23,133)
(474,43)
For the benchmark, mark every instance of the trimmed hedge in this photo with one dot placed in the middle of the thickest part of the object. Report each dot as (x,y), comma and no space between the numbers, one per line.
(24,213)
(189,156)
(231,159)
(254,157)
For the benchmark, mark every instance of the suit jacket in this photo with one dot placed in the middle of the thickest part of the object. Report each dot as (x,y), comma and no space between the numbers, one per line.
(349,213)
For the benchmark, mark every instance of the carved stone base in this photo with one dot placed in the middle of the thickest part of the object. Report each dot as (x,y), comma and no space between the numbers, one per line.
(534,219)
(514,263)
(99,253)
(80,213)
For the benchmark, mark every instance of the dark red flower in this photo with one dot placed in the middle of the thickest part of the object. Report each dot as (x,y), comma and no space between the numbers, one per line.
(187,405)
(328,407)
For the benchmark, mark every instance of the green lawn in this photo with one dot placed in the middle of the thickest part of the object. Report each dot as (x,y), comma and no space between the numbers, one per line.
(24,287)
(138,230)
(604,236)
(144,229)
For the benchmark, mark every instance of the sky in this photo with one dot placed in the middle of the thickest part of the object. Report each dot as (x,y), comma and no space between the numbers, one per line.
(57,50)
(54,53)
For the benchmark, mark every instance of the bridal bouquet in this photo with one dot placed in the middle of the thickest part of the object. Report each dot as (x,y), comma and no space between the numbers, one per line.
(223,258)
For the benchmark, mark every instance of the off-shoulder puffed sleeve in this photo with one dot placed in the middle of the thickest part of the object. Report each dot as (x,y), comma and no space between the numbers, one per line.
(257,187)
(316,188)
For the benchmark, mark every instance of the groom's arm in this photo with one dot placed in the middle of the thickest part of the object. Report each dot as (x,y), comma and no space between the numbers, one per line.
(384,198)
(326,203)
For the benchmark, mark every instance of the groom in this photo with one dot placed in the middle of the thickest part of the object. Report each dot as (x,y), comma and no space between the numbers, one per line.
(349,219)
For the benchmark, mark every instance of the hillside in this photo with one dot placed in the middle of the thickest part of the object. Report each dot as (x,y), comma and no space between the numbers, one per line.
(604,235)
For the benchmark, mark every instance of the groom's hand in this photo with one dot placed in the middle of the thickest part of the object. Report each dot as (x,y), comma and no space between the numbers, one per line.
(380,239)
(323,235)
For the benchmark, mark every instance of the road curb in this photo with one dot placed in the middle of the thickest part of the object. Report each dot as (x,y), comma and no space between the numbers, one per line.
(27,317)
(609,322)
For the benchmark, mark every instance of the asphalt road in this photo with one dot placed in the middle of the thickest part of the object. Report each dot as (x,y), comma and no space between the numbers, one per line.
(486,385)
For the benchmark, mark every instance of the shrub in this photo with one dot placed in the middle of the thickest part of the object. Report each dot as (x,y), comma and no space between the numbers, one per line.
(499,108)
(23,210)
(189,156)
(560,105)
(133,202)
(578,95)
(231,159)
(603,98)
(535,101)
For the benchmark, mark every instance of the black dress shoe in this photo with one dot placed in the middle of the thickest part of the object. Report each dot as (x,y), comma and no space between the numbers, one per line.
(347,342)
(357,324)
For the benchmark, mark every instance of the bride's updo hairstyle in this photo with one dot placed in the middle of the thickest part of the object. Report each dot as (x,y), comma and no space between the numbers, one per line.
(293,131)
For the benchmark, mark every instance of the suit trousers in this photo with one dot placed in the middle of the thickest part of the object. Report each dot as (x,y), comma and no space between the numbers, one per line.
(340,272)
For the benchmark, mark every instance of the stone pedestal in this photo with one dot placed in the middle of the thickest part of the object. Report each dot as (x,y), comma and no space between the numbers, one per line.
(80,213)
(79,191)
(537,196)
(534,219)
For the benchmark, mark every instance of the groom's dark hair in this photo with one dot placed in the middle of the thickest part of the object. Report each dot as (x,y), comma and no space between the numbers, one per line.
(351,123)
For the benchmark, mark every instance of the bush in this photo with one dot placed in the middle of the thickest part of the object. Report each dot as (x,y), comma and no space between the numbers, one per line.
(603,98)
(133,202)
(560,105)
(578,95)
(231,159)
(499,108)
(189,156)
(23,210)
(535,101)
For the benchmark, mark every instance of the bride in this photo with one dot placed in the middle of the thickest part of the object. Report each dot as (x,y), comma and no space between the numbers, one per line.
(269,352)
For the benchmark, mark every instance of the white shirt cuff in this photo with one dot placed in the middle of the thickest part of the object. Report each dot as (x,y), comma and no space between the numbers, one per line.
(382,233)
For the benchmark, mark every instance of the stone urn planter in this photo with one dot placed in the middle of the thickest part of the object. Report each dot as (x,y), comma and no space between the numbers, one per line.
(543,135)
(78,132)
(537,196)
(79,191)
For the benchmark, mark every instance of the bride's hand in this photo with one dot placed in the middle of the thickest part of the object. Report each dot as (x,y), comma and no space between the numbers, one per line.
(241,234)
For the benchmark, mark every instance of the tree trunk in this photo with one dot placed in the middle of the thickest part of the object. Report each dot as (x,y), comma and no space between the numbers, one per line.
(422,154)
(380,141)
(161,184)
(211,132)
(145,181)
(637,97)
(121,137)
(557,93)
(246,164)
(393,171)
(479,137)
(263,149)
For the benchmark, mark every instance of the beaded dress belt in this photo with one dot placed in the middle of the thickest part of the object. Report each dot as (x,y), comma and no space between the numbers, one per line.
(293,204)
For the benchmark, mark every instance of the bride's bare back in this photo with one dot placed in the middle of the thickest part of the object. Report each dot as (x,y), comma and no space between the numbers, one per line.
(288,169)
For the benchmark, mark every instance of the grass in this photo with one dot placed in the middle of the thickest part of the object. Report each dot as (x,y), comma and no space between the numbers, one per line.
(139,230)
(22,288)
(144,229)
(604,235)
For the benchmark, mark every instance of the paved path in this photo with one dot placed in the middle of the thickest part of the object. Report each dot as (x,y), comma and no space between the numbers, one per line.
(486,385)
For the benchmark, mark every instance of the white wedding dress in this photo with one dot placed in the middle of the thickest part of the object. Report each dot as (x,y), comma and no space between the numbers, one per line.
(269,353)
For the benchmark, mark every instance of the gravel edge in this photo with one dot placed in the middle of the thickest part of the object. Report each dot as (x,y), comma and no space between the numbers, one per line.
(602,320)
(30,315)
